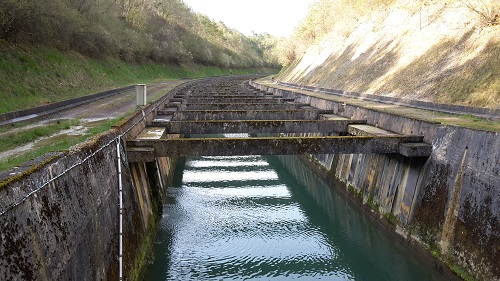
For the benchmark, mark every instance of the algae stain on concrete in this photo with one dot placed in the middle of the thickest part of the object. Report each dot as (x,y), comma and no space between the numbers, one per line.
(452,212)
(40,258)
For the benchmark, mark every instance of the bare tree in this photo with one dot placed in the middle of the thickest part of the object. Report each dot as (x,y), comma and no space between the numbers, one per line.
(488,10)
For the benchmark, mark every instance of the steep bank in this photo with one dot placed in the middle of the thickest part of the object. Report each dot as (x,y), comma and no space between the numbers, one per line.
(432,50)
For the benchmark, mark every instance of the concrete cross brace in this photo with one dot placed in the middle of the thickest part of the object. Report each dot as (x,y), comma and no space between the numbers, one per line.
(224,95)
(267,146)
(240,106)
(235,99)
(255,126)
(295,114)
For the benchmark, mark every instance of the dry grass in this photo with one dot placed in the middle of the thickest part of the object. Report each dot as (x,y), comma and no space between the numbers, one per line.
(488,10)
(427,50)
(438,77)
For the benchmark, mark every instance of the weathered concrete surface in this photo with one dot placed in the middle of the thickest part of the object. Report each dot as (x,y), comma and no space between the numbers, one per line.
(367,130)
(244,99)
(240,106)
(420,192)
(415,149)
(305,114)
(152,133)
(141,154)
(405,149)
(470,159)
(332,117)
(69,229)
(254,126)
(270,146)
(231,95)
(59,219)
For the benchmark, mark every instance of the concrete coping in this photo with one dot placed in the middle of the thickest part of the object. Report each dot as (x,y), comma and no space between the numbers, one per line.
(163,118)
(411,149)
(152,133)
(332,117)
(367,130)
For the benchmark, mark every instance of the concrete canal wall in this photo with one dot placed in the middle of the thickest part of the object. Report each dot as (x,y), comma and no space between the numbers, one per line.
(449,202)
(59,219)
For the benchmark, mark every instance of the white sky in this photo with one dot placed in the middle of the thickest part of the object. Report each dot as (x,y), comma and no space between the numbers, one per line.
(276,17)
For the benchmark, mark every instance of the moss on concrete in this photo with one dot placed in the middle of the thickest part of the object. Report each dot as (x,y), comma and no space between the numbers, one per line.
(18,177)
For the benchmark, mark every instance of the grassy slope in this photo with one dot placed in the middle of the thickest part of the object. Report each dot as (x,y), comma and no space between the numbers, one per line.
(440,53)
(33,76)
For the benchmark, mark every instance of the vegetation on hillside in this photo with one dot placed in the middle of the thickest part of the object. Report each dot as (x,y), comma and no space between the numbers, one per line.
(323,17)
(440,51)
(61,49)
(33,76)
(161,31)
(342,16)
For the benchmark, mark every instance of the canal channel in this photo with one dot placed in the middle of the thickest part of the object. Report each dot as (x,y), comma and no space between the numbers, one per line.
(249,218)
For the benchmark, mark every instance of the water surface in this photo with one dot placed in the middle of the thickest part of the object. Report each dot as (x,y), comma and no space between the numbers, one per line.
(248,218)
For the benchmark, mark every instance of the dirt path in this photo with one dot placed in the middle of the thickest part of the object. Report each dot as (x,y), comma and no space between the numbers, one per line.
(90,115)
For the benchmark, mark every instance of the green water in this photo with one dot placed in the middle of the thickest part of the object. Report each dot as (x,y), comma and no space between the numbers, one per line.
(249,218)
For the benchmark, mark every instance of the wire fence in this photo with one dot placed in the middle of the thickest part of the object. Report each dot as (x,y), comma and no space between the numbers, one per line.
(119,138)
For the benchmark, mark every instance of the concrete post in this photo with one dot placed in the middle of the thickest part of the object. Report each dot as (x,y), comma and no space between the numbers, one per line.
(140,90)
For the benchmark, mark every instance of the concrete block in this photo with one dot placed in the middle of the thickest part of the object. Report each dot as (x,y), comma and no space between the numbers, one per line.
(300,114)
(152,133)
(255,126)
(140,154)
(367,130)
(334,117)
(415,149)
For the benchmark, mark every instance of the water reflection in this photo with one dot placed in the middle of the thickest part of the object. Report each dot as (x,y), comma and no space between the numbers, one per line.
(248,218)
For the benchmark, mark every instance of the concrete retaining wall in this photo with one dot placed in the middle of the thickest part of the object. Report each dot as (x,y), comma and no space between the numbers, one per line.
(450,201)
(310,175)
(480,111)
(59,219)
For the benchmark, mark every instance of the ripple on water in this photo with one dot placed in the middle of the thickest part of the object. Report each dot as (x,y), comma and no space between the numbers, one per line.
(235,218)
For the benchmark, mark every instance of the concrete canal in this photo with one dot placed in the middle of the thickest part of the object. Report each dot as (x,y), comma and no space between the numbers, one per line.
(252,218)
(433,186)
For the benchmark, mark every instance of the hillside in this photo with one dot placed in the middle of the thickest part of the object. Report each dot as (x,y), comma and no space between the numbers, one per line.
(33,76)
(441,51)
(61,49)
(166,31)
